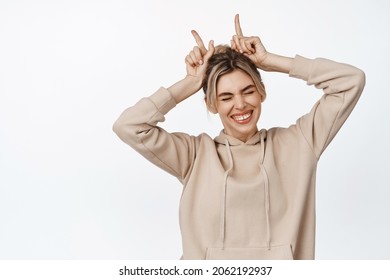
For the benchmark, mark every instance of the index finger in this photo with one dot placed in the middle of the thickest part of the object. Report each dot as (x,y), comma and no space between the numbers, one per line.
(198,40)
(237,25)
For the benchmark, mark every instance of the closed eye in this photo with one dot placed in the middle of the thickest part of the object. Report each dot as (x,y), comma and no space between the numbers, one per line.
(225,96)
(248,93)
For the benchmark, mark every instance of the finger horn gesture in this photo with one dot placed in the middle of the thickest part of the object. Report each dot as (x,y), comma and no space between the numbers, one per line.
(197,59)
(250,46)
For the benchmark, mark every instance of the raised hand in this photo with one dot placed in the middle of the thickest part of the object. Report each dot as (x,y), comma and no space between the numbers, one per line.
(196,60)
(250,46)
(196,63)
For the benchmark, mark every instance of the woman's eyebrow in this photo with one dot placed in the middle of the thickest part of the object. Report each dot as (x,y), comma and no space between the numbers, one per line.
(224,94)
(242,90)
(248,87)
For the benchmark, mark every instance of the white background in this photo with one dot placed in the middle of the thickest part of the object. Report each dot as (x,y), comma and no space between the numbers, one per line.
(70,189)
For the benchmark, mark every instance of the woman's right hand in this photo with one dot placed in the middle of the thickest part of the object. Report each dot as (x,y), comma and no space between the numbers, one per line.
(196,60)
(196,64)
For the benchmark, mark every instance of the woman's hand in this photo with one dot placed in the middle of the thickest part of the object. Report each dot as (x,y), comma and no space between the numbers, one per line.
(250,46)
(196,63)
(255,50)
(196,60)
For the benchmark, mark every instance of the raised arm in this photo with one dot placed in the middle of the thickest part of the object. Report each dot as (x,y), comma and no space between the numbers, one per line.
(342,85)
(138,125)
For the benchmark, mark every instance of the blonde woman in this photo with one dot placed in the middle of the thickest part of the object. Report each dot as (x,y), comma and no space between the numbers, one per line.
(247,193)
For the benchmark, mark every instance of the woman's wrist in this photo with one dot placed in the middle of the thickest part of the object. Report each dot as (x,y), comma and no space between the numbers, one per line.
(185,88)
(276,63)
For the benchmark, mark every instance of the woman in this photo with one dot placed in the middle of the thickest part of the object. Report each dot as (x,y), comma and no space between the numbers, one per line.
(247,194)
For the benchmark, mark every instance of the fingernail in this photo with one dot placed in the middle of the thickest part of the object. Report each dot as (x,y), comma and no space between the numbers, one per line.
(200,62)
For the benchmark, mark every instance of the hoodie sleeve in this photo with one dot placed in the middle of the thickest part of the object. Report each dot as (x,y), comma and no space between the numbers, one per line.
(137,126)
(342,85)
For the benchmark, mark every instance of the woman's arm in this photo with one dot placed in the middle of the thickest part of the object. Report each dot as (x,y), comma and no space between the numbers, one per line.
(137,125)
(342,85)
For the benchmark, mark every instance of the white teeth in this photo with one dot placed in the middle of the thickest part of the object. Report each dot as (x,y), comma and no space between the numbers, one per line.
(242,117)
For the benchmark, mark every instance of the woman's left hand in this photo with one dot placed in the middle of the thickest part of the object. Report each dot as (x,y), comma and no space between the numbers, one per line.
(252,46)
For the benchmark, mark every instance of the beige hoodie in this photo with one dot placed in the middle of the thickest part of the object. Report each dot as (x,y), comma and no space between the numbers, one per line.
(253,200)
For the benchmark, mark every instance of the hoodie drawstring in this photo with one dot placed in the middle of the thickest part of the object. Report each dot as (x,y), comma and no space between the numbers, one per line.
(223,201)
(266,191)
(266,188)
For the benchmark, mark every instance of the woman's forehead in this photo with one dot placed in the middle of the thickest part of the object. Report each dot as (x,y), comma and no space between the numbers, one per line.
(235,81)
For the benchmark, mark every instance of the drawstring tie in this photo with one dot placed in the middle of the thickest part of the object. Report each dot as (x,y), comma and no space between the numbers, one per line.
(266,188)
(223,201)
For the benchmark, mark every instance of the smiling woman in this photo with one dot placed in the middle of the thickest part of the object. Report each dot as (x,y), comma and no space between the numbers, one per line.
(235,91)
(238,104)
(247,194)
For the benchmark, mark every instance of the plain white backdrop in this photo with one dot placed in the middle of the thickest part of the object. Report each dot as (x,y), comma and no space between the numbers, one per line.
(70,189)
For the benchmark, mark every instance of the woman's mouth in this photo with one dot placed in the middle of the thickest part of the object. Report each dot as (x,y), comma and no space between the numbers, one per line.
(242,118)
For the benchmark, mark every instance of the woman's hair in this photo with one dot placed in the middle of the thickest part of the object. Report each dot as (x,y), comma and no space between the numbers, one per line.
(225,60)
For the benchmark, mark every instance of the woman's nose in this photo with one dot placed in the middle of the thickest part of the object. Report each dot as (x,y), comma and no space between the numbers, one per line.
(239,102)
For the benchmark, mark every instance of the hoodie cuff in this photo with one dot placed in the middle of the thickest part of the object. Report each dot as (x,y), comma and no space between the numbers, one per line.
(163,100)
(301,67)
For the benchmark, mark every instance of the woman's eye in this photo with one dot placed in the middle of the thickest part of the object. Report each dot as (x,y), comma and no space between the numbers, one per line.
(249,92)
(226,99)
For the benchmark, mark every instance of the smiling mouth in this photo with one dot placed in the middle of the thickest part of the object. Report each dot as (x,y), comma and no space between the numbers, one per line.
(242,118)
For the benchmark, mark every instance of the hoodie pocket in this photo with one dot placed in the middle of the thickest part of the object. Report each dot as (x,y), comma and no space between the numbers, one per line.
(282,252)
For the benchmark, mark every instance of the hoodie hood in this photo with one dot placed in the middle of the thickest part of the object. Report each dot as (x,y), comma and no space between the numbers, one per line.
(255,139)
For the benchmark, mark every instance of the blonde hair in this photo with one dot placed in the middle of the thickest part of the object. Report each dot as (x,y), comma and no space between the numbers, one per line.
(224,61)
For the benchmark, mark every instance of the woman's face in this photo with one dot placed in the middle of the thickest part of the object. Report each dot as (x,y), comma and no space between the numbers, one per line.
(238,104)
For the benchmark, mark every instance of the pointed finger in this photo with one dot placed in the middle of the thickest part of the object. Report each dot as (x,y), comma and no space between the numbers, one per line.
(237,45)
(199,41)
(237,25)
